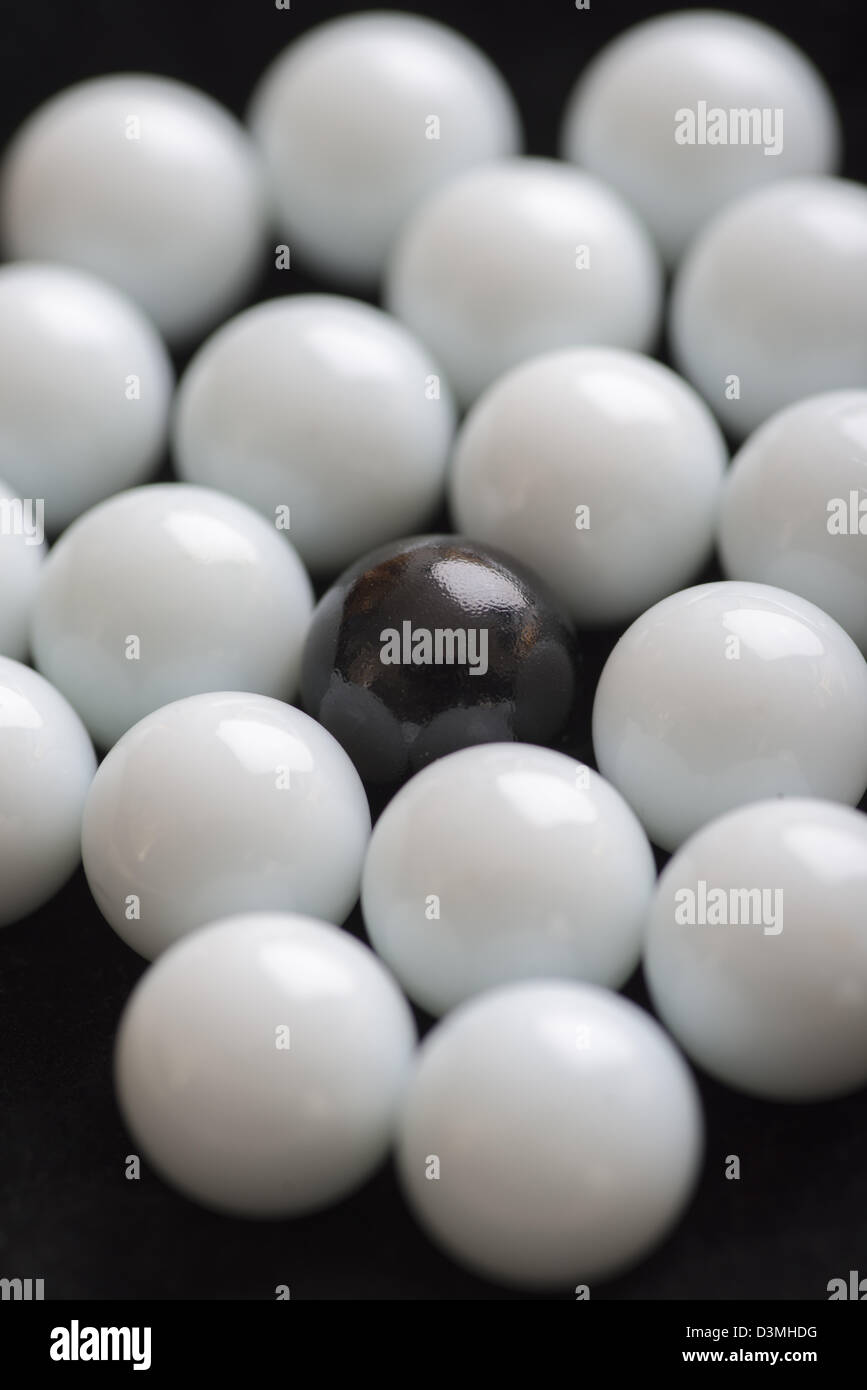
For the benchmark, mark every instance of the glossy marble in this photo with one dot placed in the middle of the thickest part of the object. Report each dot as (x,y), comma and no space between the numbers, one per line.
(601,470)
(506,862)
(756,953)
(771,300)
(146,182)
(360,118)
(85,390)
(325,413)
(519,257)
(566,1129)
(218,804)
(651,115)
(259,1064)
(168,591)
(433,644)
(46,767)
(794,507)
(729,693)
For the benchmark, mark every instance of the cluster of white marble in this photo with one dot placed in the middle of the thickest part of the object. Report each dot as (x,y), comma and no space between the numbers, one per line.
(548,1130)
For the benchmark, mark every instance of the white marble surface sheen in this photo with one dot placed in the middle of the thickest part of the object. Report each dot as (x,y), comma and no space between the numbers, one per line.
(260,1062)
(219,804)
(537,866)
(519,257)
(729,693)
(568,1131)
(146,182)
(774,1005)
(47,764)
(212,594)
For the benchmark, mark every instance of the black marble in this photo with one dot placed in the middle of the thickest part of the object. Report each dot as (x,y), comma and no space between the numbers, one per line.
(432,644)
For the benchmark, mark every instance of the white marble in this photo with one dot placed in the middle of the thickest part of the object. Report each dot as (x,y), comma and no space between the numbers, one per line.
(769,304)
(506,862)
(260,1062)
(219,804)
(85,390)
(794,506)
(520,257)
(323,406)
(46,767)
(729,693)
(168,591)
(652,115)
(146,182)
(756,953)
(598,468)
(566,1129)
(359,119)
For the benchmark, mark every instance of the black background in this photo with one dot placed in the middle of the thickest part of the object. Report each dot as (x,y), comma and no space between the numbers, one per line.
(797,1217)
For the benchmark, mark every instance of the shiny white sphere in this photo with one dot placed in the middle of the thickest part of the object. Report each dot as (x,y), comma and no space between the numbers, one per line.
(506,862)
(363,116)
(145,182)
(168,591)
(756,953)
(517,258)
(22,551)
(601,470)
(46,767)
(218,804)
(645,116)
(769,303)
(85,389)
(260,1062)
(729,693)
(566,1129)
(324,406)
(794,506)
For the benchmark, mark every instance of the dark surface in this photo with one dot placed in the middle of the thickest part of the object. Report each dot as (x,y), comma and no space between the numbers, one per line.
(798,1215)
(392,717)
